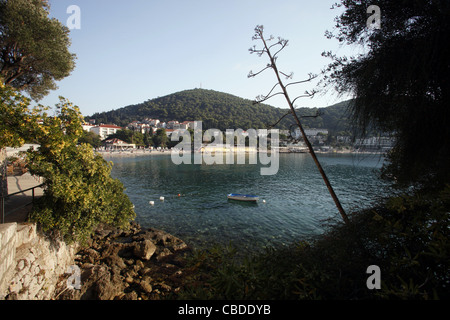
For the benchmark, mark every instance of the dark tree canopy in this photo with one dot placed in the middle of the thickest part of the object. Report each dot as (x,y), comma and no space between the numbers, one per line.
(222,111)
(401,83)
(33,47)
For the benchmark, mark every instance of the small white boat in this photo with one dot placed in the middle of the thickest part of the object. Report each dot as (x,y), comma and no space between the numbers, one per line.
(242,197)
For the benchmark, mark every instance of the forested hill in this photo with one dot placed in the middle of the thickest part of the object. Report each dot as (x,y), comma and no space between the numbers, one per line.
(222,111)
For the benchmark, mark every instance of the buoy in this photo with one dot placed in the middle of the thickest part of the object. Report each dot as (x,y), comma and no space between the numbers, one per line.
(264,201)
(161,198)
(152,202)
(179,195)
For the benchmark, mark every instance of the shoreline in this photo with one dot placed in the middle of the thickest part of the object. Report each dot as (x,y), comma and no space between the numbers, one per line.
(115,154)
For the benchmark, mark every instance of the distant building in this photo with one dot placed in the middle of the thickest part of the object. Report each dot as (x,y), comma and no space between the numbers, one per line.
(104,130)
(315,132)
(134,125)
(310,133)
(190,124)
(114,144)
(172,124)
(374,143)
(169,132)
(139,127)
(344,139)
(152,122)
(87,127)
(184,125)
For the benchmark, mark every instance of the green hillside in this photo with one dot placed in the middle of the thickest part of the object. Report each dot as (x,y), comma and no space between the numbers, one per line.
(222,111)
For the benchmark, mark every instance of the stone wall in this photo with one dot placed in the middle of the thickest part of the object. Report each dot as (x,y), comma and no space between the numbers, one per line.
(30,263)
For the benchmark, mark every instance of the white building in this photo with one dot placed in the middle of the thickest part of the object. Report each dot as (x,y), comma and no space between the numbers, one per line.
(310,133)
(153,122)
(315,132)
(104,130)
(87,127)
(190,124)
(172,124)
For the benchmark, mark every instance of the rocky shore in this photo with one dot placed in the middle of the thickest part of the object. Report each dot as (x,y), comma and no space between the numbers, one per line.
(136,264)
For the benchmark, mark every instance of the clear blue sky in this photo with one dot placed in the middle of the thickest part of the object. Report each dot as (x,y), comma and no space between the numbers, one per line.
(132,51)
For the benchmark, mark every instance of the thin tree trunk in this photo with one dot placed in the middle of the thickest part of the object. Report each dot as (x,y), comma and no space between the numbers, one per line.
(308,144)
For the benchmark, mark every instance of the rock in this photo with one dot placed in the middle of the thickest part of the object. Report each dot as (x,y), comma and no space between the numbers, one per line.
(144,250)
(130,296)
(145,271)
(115,260)
(180,246)
(105,289)
(140,264)
(164,253)
(99,284)
(129,279)
(91,255)
(145,286)
(120,264)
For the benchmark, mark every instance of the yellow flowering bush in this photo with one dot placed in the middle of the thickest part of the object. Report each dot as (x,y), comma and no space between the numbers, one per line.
(79,192)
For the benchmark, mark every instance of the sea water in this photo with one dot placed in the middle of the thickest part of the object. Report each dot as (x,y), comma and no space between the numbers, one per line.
(294,203)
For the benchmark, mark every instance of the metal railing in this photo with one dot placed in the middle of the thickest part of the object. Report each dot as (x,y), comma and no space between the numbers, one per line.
(3,213)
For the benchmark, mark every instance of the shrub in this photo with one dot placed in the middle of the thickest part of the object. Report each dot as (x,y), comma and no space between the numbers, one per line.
(79,192)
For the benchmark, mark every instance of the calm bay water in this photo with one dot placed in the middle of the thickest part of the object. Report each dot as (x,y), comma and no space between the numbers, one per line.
(296,205)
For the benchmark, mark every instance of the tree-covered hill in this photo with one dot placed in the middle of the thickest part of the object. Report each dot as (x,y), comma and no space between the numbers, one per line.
(222,111)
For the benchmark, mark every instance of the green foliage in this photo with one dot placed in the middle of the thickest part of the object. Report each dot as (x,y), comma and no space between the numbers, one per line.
(401,83)
(160,139)
(91,138)
(79,192)
(406,236)
(221,111)
(33,47)
(14,117)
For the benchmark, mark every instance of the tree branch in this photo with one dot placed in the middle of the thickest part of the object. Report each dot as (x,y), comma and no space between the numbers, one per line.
(259,35)
(261,98)
(306,95)
(251,74)
(311,77)
(279,120)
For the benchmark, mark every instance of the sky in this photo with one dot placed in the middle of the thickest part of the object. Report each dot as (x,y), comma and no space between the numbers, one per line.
(132,51)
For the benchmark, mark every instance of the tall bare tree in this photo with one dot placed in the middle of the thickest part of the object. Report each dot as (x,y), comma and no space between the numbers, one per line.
(272,49)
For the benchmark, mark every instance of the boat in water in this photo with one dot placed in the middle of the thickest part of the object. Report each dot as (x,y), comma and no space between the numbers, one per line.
(243,197)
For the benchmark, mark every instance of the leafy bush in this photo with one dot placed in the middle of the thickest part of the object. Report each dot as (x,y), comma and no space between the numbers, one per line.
(14,117)
(79,192)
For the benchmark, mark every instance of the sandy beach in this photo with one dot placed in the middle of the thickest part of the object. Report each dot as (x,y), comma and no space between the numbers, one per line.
(132,153)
